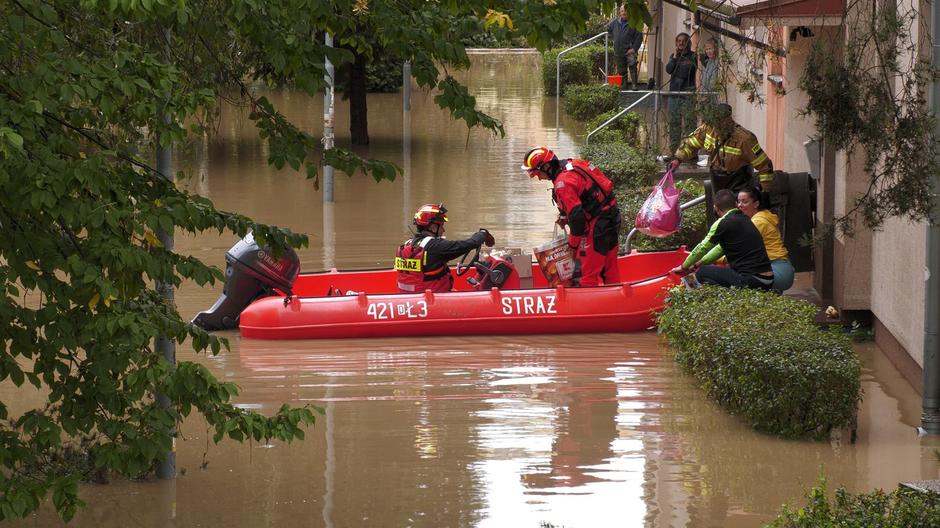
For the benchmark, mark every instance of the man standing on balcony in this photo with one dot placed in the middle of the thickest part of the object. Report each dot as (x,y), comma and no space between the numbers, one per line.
(627,42)
(682,70)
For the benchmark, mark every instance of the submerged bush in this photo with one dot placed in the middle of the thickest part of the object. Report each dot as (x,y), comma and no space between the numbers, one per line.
(633,172)
(579,66)
(625,165)
(760,356)
(901,507)
(625,129)
(691,231)
(587,101)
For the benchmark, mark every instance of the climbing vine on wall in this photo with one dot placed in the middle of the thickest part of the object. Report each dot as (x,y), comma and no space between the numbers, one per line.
(870,100)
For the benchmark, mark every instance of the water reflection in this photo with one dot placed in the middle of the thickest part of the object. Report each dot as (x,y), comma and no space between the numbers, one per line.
(600,430)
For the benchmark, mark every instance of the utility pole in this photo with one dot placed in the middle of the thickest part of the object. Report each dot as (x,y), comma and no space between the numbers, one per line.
(328,113)
(406,85)
(164,344)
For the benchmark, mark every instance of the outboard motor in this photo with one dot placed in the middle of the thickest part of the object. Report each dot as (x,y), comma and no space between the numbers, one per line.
(250,272)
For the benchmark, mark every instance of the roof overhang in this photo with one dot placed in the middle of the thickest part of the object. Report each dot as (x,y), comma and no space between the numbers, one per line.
(712,14)
(793,12)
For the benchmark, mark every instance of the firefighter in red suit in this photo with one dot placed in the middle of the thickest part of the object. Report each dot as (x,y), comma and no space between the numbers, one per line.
(586,202)
(421,261)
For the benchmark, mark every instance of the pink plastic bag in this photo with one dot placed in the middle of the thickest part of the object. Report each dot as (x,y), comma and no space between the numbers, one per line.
(660,215)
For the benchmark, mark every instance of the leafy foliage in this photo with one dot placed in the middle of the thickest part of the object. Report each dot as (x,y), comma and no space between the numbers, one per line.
(87,89)
(626,129)
(633,170)
(384,75)
(579,66)
(759,355)
(475,32)
(901,507)
(691,231)
(587,101)
(871,99)
(595,25)
(627,166)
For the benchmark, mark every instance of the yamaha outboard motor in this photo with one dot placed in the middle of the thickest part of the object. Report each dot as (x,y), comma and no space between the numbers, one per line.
(250,272)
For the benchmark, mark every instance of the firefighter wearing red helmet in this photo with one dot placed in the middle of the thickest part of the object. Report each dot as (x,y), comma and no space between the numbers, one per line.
(421,261)
(586,201)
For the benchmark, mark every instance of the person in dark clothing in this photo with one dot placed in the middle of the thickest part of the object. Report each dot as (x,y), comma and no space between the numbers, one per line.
(682,67)
(421,261)
(627,41)
(734,235)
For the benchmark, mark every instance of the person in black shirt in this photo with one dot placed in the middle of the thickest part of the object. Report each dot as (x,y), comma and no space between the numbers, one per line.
(734,235)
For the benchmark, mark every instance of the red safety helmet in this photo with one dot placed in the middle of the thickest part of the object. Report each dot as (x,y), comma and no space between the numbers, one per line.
(429,214)
(538,158)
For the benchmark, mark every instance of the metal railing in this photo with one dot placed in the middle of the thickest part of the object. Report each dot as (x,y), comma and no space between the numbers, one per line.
(616,117)
(558,68)
(657,95)
(628,243)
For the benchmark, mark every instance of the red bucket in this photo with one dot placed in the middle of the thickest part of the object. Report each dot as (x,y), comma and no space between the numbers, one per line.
(615,80)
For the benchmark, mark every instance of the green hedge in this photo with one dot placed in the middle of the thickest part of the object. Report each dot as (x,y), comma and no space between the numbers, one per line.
(900,508)
(579,66)
(694,222)
(626,129)
(624,164)
(760,356)
(633,171)
(587,101)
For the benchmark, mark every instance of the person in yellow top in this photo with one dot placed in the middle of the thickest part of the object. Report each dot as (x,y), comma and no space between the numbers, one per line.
(751,203)
(732,151)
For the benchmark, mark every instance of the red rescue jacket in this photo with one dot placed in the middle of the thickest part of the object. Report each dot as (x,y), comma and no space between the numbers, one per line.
(411,261)
(582,193)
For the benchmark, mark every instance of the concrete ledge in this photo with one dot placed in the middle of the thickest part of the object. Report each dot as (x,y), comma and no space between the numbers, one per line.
(898,356)
(923,486)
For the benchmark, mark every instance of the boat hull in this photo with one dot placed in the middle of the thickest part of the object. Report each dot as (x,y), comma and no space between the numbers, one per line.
(627,307)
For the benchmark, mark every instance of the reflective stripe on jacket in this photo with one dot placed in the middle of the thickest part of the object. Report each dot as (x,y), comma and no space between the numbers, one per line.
(728,153)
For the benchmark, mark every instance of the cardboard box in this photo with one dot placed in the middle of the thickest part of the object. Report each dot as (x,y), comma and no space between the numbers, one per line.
(520,259)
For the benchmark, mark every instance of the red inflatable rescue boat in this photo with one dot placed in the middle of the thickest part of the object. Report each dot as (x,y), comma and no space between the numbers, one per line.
(349,304)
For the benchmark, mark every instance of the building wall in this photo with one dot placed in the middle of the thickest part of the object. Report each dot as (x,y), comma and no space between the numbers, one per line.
(883,271)
(797,129)
(750,115)
(897,296)
(853,254)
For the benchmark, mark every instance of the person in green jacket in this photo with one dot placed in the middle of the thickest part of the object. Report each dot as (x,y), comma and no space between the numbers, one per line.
(735,236)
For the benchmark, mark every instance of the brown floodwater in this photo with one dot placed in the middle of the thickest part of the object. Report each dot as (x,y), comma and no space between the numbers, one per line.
(590,430)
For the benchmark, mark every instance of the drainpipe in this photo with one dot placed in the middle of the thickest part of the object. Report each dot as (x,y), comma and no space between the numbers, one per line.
(930,419)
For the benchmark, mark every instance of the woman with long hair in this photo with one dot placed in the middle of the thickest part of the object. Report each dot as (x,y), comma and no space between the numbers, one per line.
(754,203)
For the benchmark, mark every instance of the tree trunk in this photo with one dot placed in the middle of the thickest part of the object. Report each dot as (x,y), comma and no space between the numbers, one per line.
(358,110)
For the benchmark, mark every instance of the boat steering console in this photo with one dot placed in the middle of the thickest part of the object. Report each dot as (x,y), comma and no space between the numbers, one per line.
(492,272)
